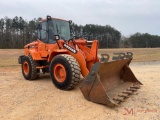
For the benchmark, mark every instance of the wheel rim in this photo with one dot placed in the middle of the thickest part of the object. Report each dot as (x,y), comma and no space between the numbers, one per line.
(60,72)
(26,68)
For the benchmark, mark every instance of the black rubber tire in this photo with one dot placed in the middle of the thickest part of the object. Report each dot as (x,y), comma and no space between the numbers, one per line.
(72,71)
(33,72)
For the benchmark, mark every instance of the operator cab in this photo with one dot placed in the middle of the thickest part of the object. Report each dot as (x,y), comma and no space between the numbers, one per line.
(48,28)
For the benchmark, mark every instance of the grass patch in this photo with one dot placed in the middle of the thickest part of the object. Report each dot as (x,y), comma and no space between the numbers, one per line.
(9,57)
(139,54)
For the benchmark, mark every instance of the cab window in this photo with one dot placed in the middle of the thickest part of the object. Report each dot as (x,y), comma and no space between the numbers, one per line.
(44,32)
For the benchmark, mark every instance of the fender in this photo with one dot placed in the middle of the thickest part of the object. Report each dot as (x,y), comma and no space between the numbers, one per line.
(78,56)
(35,55)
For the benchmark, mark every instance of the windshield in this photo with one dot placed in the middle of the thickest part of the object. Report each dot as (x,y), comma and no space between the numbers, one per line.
(61,28)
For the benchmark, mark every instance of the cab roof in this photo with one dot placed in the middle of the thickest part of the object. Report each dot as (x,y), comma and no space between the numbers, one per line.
(53,19)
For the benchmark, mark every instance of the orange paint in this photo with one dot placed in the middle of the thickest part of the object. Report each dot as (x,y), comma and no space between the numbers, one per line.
(59,73)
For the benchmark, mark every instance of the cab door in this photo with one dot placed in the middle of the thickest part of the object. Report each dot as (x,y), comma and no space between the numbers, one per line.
(43,37)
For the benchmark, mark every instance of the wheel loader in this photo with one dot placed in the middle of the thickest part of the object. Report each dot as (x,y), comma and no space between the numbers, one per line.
(107,82)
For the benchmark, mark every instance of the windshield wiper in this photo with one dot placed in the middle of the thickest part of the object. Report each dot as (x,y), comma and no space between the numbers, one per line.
(58,31)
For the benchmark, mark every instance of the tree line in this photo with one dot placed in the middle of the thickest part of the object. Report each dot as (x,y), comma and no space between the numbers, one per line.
(108,36)
(142,40)
(17,32)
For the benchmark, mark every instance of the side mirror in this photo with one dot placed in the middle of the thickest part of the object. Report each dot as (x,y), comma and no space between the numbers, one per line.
(56,37)
(70,21)
(49,17)
(39,26)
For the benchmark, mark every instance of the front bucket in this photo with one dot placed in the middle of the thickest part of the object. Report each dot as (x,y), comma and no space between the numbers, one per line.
(110,83)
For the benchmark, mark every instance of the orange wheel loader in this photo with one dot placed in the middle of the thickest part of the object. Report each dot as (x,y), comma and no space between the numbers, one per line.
(105,82)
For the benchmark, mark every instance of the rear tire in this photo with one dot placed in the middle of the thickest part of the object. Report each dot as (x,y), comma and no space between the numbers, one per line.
(29,70)
(65,72)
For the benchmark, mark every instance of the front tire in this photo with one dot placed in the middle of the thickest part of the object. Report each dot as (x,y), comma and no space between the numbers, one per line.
(65,72)
(29,70)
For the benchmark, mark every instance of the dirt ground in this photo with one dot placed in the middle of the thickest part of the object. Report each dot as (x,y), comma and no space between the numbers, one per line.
(41,100)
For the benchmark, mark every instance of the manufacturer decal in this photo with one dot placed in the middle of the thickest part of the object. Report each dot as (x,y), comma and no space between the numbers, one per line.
(70,48)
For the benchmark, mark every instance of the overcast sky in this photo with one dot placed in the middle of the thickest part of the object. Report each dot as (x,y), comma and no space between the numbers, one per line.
(127,16)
